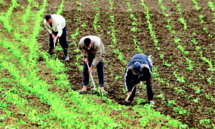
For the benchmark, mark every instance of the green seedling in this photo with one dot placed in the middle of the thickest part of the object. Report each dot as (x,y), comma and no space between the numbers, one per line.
(180,79)
(201,18)
(179,8)
(171,103)
(211,5)
(196,100)
(79,10)
(60,10)
(78,3)
(196,5)
(194,41)
(205,29)
(180,110)
(204,121)
(181,91)
(3,105)
(166,63)
(95,2)
(182,20)
(163,7)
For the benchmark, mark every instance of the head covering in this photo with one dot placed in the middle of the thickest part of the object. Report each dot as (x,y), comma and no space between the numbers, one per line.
(136,68)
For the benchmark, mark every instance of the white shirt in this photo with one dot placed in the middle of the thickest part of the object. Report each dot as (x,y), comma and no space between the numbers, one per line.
(58,23)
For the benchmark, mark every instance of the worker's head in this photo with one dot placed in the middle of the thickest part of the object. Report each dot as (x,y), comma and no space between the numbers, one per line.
(136,68)
(48,19)
(87,43)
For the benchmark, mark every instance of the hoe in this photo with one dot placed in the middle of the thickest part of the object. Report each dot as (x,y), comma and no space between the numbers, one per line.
(92,78)
(131,97)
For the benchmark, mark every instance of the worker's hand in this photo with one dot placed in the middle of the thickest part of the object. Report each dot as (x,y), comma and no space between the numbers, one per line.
(55,39)
(129,93)
(86,60)
(91,69)
(53,36)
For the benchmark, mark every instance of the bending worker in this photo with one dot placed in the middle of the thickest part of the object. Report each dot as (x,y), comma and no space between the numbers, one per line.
(92,50)
(139,69)
(56,26)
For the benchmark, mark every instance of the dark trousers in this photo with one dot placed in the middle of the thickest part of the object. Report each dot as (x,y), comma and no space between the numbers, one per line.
(150,92)
(100,70)
(63,39)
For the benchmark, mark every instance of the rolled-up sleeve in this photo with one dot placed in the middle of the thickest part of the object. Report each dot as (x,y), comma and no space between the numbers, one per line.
(59,29)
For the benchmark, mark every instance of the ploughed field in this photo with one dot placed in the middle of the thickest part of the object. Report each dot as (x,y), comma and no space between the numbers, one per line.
(182,79)
(178,35)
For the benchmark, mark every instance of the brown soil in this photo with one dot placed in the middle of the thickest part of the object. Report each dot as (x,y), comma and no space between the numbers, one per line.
(114,67)
(8,84)
(17,114)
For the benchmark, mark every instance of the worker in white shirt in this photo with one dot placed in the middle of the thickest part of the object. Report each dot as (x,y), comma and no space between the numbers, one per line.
(56,26)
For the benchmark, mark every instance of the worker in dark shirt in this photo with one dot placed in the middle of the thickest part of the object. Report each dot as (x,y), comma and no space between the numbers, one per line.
(139,69)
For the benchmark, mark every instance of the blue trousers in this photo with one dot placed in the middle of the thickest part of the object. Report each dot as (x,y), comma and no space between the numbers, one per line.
(63,40)
(100,71)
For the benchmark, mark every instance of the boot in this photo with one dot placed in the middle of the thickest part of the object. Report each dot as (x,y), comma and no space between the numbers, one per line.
(66,53)
(51,51)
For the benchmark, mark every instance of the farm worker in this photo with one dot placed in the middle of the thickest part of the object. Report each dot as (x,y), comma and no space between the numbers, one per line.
(139,69)
(56,26)
(92,49)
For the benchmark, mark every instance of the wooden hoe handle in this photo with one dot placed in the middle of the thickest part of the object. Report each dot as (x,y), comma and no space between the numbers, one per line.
(91,77)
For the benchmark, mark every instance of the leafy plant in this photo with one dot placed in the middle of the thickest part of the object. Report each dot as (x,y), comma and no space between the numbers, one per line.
(201,18)
(171,103)
(180,79)
(180,110)
(60,10)
(3,105)
(204,121)
(211,5)
(196,5)
(196,100)
(182,20)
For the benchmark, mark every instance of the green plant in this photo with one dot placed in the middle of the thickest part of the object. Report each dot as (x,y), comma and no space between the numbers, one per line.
(196,100)
(182,20)
(171,103)
(95,21)
(211,5)
(205,29)
(201,18)
(179,8)
(166,63)
(181,91)
(209,80)
(194,41)
(60,10)
(196,5)
(3,105)
(204,121)
(180,79)
(180,110)
(190,64)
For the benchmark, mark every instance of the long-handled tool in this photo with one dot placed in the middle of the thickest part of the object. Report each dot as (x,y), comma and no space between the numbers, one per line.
(132,94)
(55,42)
(54,45)
(91,78)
